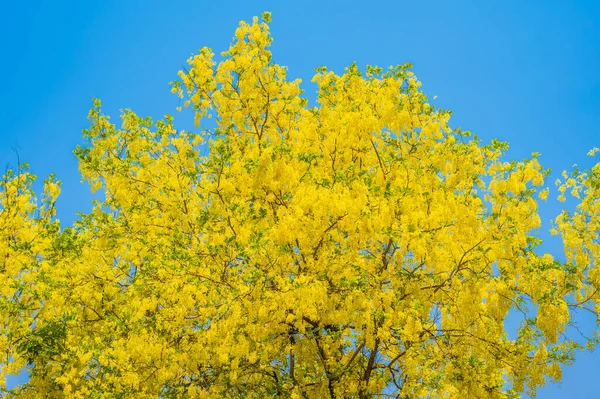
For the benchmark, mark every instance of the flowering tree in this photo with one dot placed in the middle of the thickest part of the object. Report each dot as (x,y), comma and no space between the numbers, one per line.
(359,248)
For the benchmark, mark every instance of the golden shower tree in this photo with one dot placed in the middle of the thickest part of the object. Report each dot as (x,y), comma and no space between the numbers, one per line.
(360,248)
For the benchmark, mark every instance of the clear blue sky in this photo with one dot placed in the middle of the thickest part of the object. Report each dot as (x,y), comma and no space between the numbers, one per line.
(526,72)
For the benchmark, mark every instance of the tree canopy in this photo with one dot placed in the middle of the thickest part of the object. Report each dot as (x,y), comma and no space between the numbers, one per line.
(359,248)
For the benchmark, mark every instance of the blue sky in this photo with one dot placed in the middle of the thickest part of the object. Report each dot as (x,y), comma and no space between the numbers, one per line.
(526,72)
